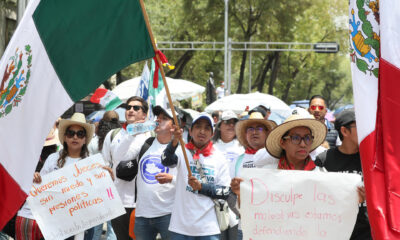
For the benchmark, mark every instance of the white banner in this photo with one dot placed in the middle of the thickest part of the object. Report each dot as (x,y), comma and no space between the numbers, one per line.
(278,204)
(74,198)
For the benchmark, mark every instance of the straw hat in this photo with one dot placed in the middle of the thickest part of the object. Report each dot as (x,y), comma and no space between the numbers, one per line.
(76,119)
(242,125)
(52,138)
(318,130)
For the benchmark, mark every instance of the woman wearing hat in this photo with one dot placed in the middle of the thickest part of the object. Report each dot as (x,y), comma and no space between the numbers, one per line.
(74,134)
(293,140)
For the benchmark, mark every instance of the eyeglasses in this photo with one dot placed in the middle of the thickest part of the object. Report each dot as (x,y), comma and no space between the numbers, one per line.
(314,107)
(80,134)
(230,121)
(296,139)
(135,107)
(254,129)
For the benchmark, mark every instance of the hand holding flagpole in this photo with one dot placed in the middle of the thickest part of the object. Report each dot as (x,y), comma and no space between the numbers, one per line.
(146,18)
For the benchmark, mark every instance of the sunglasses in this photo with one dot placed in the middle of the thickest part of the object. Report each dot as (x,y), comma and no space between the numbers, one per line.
(254,129)
(296,139)
(135,107)
(314,107)
(70,133)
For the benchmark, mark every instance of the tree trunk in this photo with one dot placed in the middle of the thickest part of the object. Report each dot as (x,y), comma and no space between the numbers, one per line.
(180,65)
(265,70)
(289,85)
(120,79)
(274,73)
(241,76)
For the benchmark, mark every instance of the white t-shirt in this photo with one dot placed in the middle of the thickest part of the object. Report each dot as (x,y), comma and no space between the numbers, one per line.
(93,146)
(122,148)
(231,150)
(262,159)
(220,92)
(317,151)
(154,199)
(49,166)
(193,214)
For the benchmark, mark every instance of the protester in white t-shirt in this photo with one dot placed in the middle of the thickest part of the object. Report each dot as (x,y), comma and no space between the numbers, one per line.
(224,140)
(252,133)
(155,183)
(75,134)
(136,111)
(193,213)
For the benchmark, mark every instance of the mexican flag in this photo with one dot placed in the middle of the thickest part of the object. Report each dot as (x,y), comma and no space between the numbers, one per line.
(157,96)
(60,52)
(375,55)
(106,98)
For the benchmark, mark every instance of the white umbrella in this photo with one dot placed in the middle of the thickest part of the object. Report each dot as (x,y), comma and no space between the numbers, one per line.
(239,102)
(179,89)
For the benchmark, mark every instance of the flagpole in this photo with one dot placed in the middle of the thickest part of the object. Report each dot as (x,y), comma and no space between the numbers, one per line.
(146,18)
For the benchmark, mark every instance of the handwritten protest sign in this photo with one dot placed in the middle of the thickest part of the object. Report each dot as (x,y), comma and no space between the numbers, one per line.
(74,198)
(298,204)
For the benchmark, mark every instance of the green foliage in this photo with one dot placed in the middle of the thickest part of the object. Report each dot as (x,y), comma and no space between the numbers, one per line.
(299,74)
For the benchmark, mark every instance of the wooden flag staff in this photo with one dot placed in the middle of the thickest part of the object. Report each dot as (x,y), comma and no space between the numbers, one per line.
(146,18)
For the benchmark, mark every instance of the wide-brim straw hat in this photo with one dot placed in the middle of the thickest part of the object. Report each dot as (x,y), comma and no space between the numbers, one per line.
(76,119)
(255,117)
(318,130)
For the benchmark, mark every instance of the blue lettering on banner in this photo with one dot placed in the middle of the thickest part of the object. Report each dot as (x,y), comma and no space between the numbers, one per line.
(150,166)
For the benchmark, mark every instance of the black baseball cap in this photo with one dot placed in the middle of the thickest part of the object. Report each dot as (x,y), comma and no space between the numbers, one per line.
(344,118)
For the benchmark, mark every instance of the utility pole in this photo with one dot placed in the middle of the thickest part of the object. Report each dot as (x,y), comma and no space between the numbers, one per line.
(21,6)
(226,49)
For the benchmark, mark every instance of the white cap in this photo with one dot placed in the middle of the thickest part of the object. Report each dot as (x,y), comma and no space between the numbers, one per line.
(228,114)
(203,115)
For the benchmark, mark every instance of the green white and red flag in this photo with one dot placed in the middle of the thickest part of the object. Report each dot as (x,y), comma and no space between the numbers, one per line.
(106,98)
(375,55)
(60,52)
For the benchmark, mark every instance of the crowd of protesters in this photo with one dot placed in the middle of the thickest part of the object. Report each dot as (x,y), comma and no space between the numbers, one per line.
(161,199)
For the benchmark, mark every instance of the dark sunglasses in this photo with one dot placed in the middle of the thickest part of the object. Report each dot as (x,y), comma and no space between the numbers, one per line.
(135,107)
(70,133)
(296,139)
(314,107)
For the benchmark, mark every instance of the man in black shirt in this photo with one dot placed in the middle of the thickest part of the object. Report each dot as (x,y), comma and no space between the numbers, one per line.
(346,158)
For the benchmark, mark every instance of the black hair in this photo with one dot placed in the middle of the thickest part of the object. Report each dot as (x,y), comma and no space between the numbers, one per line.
(346,126)
(104,127)
(215,114)
(46,151)
(316,97)
(145,105)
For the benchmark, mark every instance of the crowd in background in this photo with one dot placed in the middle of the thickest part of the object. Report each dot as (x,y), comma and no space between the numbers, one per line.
(149,170)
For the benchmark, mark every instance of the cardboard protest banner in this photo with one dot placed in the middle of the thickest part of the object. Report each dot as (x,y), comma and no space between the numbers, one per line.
(74,198)
(278,204)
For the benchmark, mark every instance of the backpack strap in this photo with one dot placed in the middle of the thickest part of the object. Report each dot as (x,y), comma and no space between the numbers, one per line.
(146,145)
(114,133)
(239,162)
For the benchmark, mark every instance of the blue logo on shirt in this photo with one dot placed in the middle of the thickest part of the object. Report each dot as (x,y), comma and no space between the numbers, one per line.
(231,156)
(149,167)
